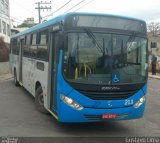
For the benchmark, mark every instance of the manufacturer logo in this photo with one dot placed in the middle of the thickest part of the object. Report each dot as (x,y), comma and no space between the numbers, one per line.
(109,103)
(110,88)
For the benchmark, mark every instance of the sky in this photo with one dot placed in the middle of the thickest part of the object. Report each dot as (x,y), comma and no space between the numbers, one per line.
(148,10)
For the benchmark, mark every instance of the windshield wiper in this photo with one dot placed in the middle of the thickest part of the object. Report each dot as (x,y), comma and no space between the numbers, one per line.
(91,35)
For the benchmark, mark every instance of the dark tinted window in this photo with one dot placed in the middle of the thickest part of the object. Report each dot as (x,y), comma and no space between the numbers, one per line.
(14,46)
(28,39)
(42,51)
(34,39)
(33,47)
(153,45)
(27,45)
(43,37)
(33,51)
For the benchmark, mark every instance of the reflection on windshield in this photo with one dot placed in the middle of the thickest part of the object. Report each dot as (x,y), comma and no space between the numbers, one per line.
(98,58)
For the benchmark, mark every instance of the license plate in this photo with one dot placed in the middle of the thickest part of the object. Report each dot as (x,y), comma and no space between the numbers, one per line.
(109,116)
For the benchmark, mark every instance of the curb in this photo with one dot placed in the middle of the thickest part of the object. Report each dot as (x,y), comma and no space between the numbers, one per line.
(5,77)
(154,76)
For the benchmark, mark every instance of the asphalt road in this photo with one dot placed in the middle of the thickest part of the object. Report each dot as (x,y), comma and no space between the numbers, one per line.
(19,117)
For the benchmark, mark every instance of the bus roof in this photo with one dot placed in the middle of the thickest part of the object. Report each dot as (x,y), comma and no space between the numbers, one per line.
(63,17)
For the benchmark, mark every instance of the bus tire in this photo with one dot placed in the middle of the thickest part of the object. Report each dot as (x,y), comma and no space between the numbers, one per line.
(15,79)
(39,101)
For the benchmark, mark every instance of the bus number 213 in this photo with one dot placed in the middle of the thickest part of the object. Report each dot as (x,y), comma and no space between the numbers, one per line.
(128,102)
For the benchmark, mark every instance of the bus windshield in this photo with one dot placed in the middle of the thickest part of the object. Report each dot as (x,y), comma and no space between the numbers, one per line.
(101,58)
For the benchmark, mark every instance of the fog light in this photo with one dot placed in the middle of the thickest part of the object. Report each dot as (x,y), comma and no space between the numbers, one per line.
(140,102)
(69,101)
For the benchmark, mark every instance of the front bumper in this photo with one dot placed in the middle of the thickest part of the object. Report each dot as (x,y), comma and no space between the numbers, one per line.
(69,114)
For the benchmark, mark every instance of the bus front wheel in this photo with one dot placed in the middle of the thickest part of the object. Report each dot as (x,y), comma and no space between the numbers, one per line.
(39,100)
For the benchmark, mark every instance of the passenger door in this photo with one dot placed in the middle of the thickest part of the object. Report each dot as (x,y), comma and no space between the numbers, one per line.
(20,59)
(54,69)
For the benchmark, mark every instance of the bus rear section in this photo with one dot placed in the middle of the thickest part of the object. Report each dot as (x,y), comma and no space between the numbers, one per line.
(102,70)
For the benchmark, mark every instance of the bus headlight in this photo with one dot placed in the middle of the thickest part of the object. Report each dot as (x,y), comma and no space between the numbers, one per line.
(69,101)
(140,102)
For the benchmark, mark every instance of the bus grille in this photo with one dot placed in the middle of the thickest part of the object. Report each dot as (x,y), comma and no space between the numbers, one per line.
(119,95)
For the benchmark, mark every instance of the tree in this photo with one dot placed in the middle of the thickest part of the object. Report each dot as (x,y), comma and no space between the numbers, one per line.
(4,50)
(153,27)
(26,25)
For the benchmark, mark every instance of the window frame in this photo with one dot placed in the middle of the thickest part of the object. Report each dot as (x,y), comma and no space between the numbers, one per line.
(153,45)
(43,47)
(14,46)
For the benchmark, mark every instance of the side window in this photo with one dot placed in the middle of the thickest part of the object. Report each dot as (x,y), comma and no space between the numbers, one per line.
(28,40)
(42,51)
(14,46)
(34,39)
(43,37)
(153,45)
(27,45)
(33,47)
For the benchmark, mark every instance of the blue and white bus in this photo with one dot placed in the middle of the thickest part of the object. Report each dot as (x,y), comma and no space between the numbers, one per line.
(84,67)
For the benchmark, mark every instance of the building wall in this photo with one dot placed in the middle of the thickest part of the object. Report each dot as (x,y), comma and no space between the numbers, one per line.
(154,39)
(17,30)
(4,68)
(29,21)
(5,22)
